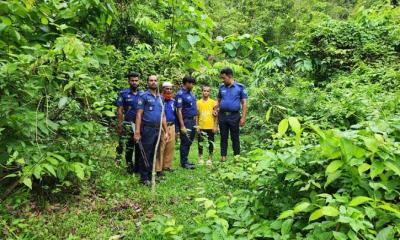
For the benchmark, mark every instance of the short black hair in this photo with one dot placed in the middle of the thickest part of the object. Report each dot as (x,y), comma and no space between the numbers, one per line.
(188,79)
(227,71)
(132,74)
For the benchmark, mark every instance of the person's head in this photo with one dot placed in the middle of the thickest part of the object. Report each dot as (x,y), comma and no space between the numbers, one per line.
(167,90)
(167,87)
(152,82)
(227,76)
(133,79)
(205,90)
(188,82)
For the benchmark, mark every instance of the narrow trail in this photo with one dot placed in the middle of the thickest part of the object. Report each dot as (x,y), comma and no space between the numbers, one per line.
(114,203)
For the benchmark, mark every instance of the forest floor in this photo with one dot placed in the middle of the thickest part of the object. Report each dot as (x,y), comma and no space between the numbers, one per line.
(114,203)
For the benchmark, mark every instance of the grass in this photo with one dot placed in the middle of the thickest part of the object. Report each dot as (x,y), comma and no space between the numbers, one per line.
(113,203)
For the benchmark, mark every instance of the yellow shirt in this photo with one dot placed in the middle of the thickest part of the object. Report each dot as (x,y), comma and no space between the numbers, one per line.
(205,109)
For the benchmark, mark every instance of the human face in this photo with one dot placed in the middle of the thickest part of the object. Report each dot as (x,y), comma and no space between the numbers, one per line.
(152,82)
(226,79)
(133,82)
(189,86)
(206,92)
(167,90)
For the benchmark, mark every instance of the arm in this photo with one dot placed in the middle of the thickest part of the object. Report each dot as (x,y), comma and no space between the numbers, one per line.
(244,112)
(180,118)
(120,117)
(216,107)
(139,114)
(165,128)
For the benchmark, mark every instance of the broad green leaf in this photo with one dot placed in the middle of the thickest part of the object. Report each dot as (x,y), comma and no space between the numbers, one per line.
(109,113)
(359,200)
(282,127)
(50,169)
(286,226)
(62,102)
(376,168)
(193,39)
(268,114)
(332,177)
(334,166)
(109,19)
(316,215)
(388,207)
(286,214)
(372,144)
(324,211)
(79,171)
(385,234)
(363,167)
(295,124)
(28,182)
(339,235)
(211,213)
(301,207)
(393,166)
(44,21)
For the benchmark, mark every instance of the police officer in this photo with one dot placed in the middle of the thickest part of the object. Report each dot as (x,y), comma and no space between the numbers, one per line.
(164,159)
(187,113)
(148,116)
(126,116)
(230,96)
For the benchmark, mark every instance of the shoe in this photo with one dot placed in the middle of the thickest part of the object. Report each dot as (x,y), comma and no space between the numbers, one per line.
(201,161)
(160,174)
(188,166)
(209,163)
(145,182)
(130,170)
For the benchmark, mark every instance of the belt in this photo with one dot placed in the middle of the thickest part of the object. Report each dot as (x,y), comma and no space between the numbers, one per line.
(189,118)
(227,113)
(170,123)
(151,125)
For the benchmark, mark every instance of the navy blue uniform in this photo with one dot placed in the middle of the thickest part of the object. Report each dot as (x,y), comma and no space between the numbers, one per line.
(170,110)
(187,102)
(128,100)
(229,115)
(150,128)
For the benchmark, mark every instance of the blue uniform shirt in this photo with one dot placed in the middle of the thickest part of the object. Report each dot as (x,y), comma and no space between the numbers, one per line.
(170,110)
(151,106)
(231,96)
(128,101)
(186,101)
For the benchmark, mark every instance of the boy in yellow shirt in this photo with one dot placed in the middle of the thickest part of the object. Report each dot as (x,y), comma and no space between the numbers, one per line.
(206,124)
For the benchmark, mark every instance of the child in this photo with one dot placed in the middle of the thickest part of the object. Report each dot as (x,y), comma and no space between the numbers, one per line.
(206,123)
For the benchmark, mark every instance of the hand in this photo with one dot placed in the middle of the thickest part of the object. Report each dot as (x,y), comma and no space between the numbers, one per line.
(184,130)
(136,137)
(215,113)
(215,130)
(197,129)
(167,137)
(242,122)
(119,129)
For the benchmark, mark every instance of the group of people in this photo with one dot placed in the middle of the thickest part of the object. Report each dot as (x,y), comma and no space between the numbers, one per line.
(150,122)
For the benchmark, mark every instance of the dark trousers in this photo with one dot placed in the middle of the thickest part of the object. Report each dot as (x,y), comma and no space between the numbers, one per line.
(187,140)
(229,124)
(126,138)
(131,148)
(210,136)
(149,141)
